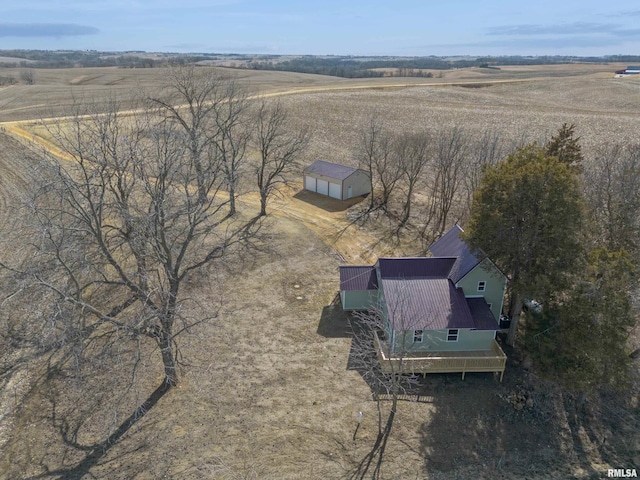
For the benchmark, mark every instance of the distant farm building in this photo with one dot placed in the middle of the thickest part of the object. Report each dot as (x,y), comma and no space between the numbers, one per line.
(631,70)
(336,181)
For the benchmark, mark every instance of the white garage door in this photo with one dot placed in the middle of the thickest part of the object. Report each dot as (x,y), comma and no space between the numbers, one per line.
(335,191)
(322,187)
(310,183)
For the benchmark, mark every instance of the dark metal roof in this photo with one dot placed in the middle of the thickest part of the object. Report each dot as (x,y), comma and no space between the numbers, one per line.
(328,169)
(451,245)
(415,267)
(482,315)
(358,278)
(426,304)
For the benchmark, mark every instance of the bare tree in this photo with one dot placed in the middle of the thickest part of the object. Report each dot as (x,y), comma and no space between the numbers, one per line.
(443,181)
(482,153)
(278,148)
(412,154)
(447,168)
(119,224)
(211,110)
(232,136)
(612,183)
(190,101)
(386,170)
(373,336)
(372,155)
(28,76)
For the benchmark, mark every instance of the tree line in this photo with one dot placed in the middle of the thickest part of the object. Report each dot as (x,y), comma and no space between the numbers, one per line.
(365,67)
(134,208)
(136,205)
(563,228)
(341,66)
(93,58)
(566,231)
(443,167)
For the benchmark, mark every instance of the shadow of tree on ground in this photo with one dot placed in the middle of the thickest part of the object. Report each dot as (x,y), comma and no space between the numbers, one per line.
(523,428)
(97,451)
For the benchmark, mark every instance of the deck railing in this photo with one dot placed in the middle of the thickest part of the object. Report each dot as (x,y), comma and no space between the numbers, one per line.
(493,360)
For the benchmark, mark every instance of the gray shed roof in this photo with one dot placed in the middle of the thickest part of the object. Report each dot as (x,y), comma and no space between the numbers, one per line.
(426,304)
(358,278)
(451,245)
(328,169)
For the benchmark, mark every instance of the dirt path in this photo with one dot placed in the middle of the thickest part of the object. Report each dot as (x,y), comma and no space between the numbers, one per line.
(384,86)
(327,218)
(323,215)
(389,85)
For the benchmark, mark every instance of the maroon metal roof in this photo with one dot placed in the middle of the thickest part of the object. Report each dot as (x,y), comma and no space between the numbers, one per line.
(482,315)
(451,245)
(328,169)
(415,267)
(425,304)
(358,278)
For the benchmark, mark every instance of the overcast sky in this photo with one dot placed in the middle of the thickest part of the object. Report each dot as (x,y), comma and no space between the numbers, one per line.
(346,27)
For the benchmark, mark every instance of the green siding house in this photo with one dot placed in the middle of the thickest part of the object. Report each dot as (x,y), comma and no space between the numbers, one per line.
(439,313)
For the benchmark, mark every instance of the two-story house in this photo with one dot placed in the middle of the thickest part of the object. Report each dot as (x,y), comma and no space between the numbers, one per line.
(438,314)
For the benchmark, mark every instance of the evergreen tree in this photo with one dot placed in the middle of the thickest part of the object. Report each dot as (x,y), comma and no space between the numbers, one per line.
(526,216)
(566,147)
(581,341)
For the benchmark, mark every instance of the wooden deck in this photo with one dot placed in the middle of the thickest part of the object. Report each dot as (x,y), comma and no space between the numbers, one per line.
(493,360)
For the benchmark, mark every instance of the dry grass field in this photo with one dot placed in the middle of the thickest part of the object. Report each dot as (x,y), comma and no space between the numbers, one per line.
(267,392)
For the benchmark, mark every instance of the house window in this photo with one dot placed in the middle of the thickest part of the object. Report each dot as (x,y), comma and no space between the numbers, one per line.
(482,286)
(452,335)
(418,336)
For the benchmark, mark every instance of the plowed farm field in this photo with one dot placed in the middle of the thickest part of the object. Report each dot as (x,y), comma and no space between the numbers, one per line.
(267,390)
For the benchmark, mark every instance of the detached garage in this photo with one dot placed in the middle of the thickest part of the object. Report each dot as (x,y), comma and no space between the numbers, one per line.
(337,181)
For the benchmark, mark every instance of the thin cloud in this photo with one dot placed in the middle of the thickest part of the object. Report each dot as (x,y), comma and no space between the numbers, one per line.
(265,16)
(629,32)
(562,29)
(190,47)
(582,41)
(627,13)
(248,48)
(227,48)
(559,44)
(582,34)
(113,5)
(37,30)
